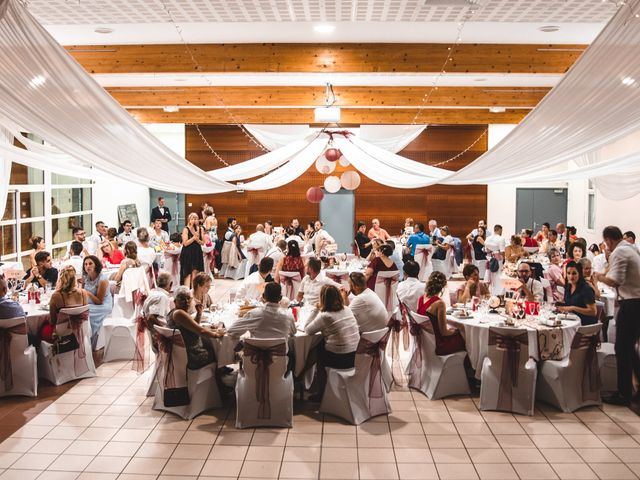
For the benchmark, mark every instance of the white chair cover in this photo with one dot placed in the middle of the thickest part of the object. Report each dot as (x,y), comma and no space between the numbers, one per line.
(341,277)
(18,360)
(172,265)
(254,255)
(385,287)
(224,257)
(481,264)
(494,279)
(133,280)
(264,389)
(120,335)
(172,373)
(434,375)
(608,365)
(64,367)
(290,282)
(447,266)
(358,394)
(209,259)
(509,372)
(574,382)
(532,249)
(423,258)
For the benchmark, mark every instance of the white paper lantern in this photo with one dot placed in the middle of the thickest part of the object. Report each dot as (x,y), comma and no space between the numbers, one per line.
(344,162)
(324,166)
(350,180)
(332,184)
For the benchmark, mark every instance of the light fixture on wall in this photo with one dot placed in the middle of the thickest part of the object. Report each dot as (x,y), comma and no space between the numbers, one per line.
(171,109)
(324,28)
(497,109)
(328,113)
(104,30)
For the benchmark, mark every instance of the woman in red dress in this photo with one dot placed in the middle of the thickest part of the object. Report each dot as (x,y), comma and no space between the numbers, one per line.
(448,340)
(380,263)
(292,262)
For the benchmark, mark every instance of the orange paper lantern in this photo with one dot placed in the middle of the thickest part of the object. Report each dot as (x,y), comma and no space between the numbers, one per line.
(315,195)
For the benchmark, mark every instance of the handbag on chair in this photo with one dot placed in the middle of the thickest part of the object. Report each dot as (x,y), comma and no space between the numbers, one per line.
(67,343)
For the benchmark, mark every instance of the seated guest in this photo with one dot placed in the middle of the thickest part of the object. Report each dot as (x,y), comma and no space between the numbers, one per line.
(630,237)
(321,238)
(199,353)
(555,275)
(396,256)
(297,228)
(158,304)
(410,289)
(363,242)
(376,243)
(527,240)
(587,273)
(574,253)
(67,294)
(472,286)
(98,293)
(112,237)
(158,236)
(146,254)
(292,262)
(418,238)
(371,314)
(408,225)
(448,340)
(38,245)
(593,251)
(291,234)
(530,289)
(339,329)
(600,262)
(269,321)
(95,240)
(130,261)
(201,287)
(313,282)
(43,274)
(127,235)
(543,234)
(552,242)
(112,255)
(79,235)
(253,286)
(175,241)
(376,232)
(75,258)
(277,252)
(8,308)
(579,297)
(381,263)
(515,251)
(478,244)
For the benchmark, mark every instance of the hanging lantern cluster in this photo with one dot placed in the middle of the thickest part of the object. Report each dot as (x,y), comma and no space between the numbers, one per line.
(326,164)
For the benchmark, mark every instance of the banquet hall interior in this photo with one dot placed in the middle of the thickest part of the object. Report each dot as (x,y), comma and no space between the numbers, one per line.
(331,239)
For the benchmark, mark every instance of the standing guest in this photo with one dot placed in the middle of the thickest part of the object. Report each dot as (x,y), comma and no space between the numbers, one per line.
(75,260)
(448,340)
(396,256)
(515,251)
(472,286)
(321,238)
(110,254)
(38,245)
(158,236)
(442,244)
(290,234)
(158,304)
(277,252)
(95,240)
(363,242)
(201,288)
(67,295)
(260,239)
(8,308)
(313,282)
(631,238)
(199,353)
(268,227)
(555,275)
(268,321)
(298,230)
(561,229)
(419,237)
(624,276)
(478,244)
(366,306)
(377,232)
(210,224)
(96,289)
(410,289)
(203,213)
(434,231)
(579,297)
(339,330)
(587,272)
(601,260)
(530,289)
(161,213)
(239,239)
(474,233)
(130,261)
(43,274)
(381,263)
(128,234)
(191,259)
(292,262)
(543,234)
(495,243)
(146,254)
(253,286)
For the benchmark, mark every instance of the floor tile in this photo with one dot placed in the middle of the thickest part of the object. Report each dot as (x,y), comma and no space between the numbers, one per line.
(370,471)
(71,462)
(535,471)
(222,468)
(612,471)
(299,470)
(339,471)
(260,469)
(496,471)
(102,464)
(574,471)
(417,471)
(452,471)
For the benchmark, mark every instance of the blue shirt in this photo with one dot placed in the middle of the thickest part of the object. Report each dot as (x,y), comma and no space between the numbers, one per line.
(583,296)
(419,238)
(10,309)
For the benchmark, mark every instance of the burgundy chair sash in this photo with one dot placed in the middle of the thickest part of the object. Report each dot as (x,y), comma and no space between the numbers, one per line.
(376,351)
(416,330)
(140,355)
(388,284)
(591,373)
(6,369)
(424,258)
(354,249)
(510,346)
(165,350)
(255,254)
(338,277)
(148,270)
(76,323)
(263,358)
(287,282)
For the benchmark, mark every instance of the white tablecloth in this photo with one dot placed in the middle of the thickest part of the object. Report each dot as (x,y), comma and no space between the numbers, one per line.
(36,317)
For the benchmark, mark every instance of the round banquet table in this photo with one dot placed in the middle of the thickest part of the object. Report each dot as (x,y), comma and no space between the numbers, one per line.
(36,316)
(545,343)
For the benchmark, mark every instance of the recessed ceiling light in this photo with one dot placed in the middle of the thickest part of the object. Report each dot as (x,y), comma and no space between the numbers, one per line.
(104,30)
(497,109)
(324,28)
(628,81)
(549,28)
(171,109)
(37,81)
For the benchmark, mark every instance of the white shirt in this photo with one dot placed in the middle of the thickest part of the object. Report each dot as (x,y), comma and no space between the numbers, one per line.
(93,243)
(146,255)
(276,254)
(296,239)
(370,312)
(321,235)
(535,286)
(260,240)
(76,262)
(311,288)
(269,321)
(251,287)
(156,239)
(624,269)
(599,263)
(495,243)
(157,303)
(435,233)
(409,292)
(339,329)
(125,237)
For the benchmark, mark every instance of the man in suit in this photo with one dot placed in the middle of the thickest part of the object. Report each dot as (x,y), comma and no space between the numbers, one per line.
(161,213)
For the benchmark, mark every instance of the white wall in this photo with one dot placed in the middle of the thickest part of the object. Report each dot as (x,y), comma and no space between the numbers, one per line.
(111,192)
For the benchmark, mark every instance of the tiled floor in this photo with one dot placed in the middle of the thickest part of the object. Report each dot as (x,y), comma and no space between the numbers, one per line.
(104,428)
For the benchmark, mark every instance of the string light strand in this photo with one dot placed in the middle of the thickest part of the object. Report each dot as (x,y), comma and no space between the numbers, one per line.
(455,157)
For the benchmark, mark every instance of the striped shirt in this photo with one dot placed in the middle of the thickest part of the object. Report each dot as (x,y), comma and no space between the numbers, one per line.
(339,329)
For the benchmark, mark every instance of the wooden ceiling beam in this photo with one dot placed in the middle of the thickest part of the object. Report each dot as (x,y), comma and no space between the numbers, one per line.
(328,58)
(349,116)
(515,97)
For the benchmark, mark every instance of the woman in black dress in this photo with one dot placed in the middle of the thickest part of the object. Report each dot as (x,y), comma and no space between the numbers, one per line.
(191,260)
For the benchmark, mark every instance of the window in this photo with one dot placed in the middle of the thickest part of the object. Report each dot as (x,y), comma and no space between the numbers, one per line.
(591,205)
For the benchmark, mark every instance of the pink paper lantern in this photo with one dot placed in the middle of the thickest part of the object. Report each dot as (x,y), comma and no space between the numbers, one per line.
(350,180)
(332,154)
(324,166)
(315,195)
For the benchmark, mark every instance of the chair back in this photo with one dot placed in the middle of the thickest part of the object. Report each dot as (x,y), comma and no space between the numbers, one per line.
(75,321)
(447,266)
(290,282)
(423,258)
(172,265)
(371,365)
(224,254)
(13,343)
(424,347)
(583,360)
(532,249)
(341,277)
(172,359)
(385,287)
(134,279)
(209,258)
(255,254)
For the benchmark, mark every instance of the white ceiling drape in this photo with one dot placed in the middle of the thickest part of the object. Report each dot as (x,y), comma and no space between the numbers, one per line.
(5,167)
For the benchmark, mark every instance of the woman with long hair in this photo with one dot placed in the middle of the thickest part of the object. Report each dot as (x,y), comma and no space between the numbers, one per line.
(291,262)
(38,245)
(67,294)
(96,289)
(191,259)
(381,263)
(579,297)
(130,261)
(201,286)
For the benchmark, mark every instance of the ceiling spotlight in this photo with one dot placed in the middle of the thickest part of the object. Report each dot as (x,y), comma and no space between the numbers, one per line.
(171,109)
(104,30)
(628,81)
(324,28)
(549,28)
(37,81)
(497,109)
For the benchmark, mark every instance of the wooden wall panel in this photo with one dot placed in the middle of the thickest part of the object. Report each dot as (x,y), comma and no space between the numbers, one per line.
(460,207)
